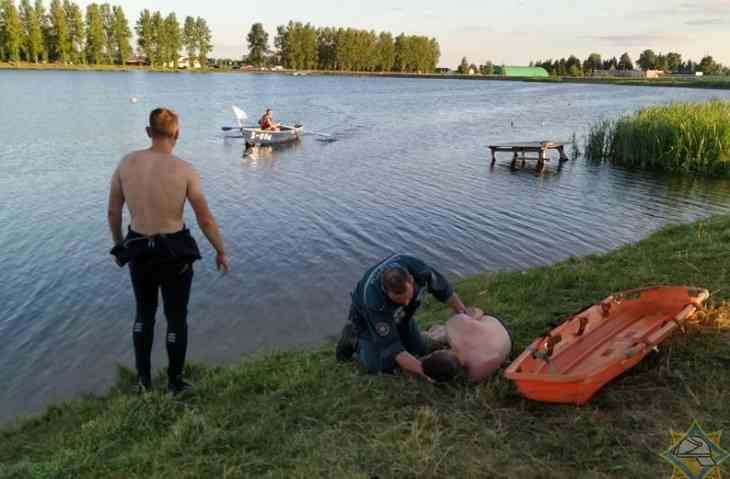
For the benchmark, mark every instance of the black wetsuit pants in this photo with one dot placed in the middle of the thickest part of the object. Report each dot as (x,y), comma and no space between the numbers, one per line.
(174,281)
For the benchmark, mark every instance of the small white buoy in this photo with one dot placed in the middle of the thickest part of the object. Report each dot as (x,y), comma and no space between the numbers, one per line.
(133,99)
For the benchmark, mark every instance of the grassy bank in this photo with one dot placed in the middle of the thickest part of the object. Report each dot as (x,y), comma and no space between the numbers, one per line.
(95,68)
(685,138)
(303,415)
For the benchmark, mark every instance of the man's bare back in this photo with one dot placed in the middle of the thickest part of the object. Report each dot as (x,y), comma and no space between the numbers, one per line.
(155,186)
(480,344)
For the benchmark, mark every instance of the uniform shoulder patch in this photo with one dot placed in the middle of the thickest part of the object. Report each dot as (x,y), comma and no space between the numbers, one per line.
(382,328)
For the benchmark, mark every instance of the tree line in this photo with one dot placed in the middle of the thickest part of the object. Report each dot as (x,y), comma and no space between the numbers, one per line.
(161,39)
(63,33)
(302,46)
(671,62)
(100,35)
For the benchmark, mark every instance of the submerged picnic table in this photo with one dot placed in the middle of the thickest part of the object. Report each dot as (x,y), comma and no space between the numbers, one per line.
(539,147)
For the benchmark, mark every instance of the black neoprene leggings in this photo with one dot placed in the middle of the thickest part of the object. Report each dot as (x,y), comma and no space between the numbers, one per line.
(174,281)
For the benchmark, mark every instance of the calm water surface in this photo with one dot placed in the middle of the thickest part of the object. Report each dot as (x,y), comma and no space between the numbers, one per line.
(409,172)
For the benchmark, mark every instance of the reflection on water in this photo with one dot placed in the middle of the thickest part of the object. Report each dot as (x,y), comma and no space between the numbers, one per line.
(410,171)
(265,157)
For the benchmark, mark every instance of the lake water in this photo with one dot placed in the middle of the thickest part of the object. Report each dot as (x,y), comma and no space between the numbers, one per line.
(409,172)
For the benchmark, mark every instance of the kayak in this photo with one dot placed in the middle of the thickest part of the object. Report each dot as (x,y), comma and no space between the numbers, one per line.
(259,137)
(572,362)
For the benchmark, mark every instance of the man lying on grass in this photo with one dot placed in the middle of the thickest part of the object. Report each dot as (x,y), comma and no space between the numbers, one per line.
(381,333)
(479,344)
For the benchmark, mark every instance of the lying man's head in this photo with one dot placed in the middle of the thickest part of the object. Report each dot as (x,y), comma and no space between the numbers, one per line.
(441,366)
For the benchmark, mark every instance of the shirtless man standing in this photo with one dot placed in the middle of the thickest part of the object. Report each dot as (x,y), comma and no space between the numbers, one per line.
(158,247)
(479,344)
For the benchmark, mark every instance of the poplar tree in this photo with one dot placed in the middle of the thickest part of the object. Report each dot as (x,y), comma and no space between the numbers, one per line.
(386,52)
(2,31)
(158,39)
(190,38)
(258,44)
(143,28)
(59,43)
(326,44)
(121,34)
(107,24)
(45,27)
(281,43)
(75,22)
(204,40)
(94,35)
(12,29)
(173,40)
(33,31)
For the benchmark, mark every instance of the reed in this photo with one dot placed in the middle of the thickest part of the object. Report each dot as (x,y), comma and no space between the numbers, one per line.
(686,138)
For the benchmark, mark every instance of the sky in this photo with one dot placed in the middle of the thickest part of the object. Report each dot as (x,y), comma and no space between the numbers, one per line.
(511,32)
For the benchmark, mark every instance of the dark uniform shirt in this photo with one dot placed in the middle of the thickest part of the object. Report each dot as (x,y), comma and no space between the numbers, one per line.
(380,321)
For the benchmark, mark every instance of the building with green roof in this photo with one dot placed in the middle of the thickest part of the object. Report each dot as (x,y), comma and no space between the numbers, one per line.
(521,71)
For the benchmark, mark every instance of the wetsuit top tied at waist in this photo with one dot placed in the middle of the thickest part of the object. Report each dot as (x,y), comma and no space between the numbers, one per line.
(179,247)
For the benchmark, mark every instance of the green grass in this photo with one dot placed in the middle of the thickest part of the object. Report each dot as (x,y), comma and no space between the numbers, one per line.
(302,415)
(684,138)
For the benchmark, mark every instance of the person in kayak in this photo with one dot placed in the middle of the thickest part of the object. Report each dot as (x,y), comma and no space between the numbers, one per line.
(155,184)
(381,333)
(267,121)
(479,345)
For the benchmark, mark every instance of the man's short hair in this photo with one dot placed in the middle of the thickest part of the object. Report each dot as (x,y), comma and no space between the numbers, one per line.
(441,366)
(163,123)
(395,280)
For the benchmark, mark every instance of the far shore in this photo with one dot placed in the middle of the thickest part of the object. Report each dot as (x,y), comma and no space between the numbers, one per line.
(703,83)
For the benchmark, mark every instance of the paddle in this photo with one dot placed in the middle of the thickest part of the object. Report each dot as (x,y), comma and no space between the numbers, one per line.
(318,133)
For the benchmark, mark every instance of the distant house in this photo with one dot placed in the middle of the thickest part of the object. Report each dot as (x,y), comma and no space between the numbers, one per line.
(186,62)
(442,70)
(137,60)
(510,71)
(654,73)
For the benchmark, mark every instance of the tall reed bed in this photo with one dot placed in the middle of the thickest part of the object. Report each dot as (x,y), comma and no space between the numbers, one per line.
(688,138)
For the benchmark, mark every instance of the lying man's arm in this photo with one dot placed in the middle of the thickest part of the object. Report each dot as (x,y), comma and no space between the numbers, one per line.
(410,364)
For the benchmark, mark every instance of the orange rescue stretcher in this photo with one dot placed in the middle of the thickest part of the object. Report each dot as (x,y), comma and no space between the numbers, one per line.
(573,361)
